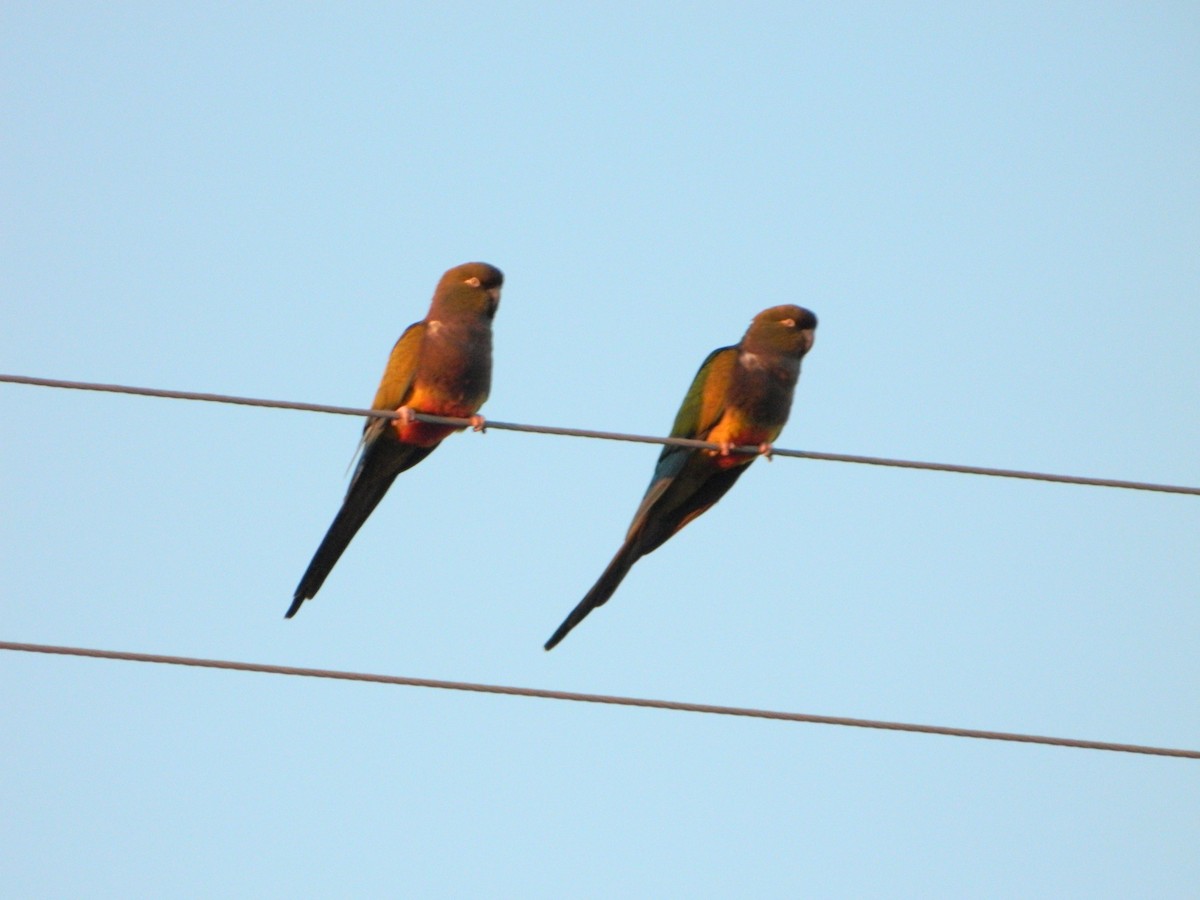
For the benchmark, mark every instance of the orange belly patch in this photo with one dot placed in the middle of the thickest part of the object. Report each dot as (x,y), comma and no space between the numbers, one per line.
(734,429)
(424,434)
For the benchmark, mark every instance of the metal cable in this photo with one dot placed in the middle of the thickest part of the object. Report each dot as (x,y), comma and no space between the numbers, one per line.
(596,698)
(605,435)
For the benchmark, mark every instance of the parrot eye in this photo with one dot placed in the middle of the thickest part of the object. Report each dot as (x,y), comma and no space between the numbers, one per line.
(788,323)
(473,281)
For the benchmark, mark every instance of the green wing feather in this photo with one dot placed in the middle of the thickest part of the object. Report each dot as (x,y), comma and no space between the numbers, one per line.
(701,410)
(397,381)
(396,386)
(705,400)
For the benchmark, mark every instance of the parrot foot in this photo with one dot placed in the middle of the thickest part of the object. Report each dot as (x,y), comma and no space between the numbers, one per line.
(766,450)
(478,423)
(726,447)
(406,418)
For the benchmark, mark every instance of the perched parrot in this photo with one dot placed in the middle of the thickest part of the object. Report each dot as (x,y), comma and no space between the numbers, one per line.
(740,397)
(441,366)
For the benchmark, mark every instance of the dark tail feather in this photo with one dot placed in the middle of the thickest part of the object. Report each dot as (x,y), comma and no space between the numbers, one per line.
(600,592)
(356,508)
(376,472)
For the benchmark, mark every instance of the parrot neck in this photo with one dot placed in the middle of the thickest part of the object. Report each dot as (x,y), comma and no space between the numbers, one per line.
(781,365)
(456,366)
(763,384)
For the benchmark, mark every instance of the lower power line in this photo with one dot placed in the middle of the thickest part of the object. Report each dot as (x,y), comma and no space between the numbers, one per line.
(595,698)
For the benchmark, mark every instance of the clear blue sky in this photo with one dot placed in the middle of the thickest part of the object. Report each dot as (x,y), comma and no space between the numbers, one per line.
(994,210)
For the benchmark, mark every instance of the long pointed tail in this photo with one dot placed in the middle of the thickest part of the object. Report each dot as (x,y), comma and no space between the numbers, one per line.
(600,592)
(376,472)
(356,508)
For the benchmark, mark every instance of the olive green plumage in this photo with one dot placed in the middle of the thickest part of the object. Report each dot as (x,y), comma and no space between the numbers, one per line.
(442,366)
(740,396)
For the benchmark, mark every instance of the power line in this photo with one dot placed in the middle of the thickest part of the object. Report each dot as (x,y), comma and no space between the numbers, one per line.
(604,435)
(595,698)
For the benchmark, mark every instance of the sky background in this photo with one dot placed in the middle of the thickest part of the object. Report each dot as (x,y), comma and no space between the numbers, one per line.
(993,209)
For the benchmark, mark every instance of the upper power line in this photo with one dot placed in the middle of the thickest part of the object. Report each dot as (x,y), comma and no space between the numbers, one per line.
(605,435)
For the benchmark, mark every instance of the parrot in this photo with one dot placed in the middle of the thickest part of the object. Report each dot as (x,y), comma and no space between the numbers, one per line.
(741,396)
(440,366)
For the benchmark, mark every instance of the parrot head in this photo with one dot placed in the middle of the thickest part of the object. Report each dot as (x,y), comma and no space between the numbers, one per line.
(470,289)
(786,330)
